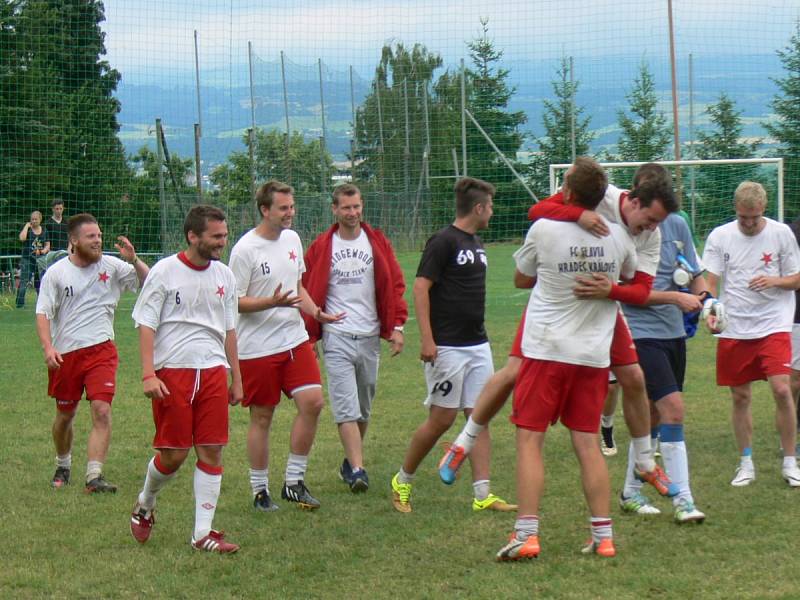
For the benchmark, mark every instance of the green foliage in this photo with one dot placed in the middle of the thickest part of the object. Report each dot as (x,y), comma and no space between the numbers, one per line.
(716,184)
(303,165)
(646,135)
(58,118)
(787,128)
(556,145)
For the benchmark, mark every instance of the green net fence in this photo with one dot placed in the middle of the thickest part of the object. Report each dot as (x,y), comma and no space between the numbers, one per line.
(134,110)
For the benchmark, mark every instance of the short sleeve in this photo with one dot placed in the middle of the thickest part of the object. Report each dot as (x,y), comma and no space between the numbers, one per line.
(435,258)
(790,253)
(712,254)
(527,257)
(147,310)
(240,267)
(301,263)
(649,253)
(48,302)
(631,261)
(126,275)
(231,304)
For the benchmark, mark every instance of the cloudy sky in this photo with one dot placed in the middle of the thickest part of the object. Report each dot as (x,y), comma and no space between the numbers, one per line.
(145,37)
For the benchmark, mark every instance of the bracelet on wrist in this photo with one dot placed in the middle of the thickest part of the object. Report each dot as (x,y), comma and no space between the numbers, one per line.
(150,376)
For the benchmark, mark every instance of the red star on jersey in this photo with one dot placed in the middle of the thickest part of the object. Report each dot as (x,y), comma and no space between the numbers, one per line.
(104,276)
(220,291)
(292,255)
(767,258)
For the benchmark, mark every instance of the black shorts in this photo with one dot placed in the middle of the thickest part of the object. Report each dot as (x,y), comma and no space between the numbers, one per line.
(664,365)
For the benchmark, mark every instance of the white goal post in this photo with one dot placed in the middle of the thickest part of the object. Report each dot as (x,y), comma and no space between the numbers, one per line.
(560,167)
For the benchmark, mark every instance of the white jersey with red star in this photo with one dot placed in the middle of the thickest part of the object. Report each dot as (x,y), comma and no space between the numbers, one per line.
(191,309)
(558,325)
(260,265)
(80,301)
(736,259)
(647,243)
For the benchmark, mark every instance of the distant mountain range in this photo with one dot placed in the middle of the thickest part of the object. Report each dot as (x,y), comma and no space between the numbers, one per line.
(604,81)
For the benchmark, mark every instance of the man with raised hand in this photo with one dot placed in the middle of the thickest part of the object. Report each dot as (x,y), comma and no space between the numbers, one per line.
(565,347)
(351,268)
(75,324)
(638,212)
(273,344)
(754,262)
(186,315)
(450,302)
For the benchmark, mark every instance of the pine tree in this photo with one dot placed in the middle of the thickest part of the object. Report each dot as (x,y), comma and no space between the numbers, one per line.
(646,135)
(786,130)
(488,99)
(556,145)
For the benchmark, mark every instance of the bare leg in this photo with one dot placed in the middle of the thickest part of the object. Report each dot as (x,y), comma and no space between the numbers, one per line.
(258,436)
(785,415)
(100,434)
(309,404)
(425,437)
(741,416)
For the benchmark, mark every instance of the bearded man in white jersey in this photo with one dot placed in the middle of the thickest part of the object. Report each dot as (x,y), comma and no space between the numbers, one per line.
(186,315)
(755,263)
(75,324)
(273,343)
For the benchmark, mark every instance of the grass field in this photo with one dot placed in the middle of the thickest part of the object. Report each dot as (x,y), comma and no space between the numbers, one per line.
(67,544)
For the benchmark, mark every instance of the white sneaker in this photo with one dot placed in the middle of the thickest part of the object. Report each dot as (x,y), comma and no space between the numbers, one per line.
(745,475)
(686,512)
(791,475)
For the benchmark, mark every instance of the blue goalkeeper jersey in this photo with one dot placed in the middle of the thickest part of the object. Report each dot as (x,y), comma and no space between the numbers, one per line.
(665,321)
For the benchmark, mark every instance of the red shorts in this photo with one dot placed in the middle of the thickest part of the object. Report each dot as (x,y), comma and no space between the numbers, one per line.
(547,390)
(743,361)
(93,368)
(516,345)
(196,411)
(623,350)
(264,378)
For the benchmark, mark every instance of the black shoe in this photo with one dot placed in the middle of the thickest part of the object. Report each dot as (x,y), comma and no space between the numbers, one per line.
(264,503)
(61,478)
(346,471)
(607,445)
(359,482)
(299,493)
(100,485)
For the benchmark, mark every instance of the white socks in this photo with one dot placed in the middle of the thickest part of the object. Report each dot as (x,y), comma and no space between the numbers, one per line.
(296,467)
(469,435)
(207,483)
(155,479)
(259,480)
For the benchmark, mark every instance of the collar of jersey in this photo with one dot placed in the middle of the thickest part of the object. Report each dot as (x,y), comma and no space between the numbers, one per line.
(185,260)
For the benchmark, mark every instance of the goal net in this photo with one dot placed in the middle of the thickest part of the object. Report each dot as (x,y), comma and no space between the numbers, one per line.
(705,187)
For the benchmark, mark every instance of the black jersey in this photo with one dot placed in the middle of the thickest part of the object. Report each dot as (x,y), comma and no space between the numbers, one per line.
(455,262)
(58,234)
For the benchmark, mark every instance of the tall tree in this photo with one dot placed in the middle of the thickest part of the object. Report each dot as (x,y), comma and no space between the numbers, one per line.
(716,184)
(555,146)
(786,129)
(390,123)
(646,134)
(488,99)
(58,116)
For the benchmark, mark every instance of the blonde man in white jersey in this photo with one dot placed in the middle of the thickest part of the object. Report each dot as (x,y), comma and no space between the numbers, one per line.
(755,263)
(273,343)
(186,315)
(75,324)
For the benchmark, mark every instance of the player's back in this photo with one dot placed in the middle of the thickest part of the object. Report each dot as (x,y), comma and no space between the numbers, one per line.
(558,325)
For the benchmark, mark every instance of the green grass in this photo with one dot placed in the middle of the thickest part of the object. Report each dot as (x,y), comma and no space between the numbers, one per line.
(66,544)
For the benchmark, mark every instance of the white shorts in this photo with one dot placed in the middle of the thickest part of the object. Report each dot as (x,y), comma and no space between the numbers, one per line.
(796,347)
(458,375)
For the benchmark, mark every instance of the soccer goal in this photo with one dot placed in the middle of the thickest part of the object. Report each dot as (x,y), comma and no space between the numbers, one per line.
(705,187)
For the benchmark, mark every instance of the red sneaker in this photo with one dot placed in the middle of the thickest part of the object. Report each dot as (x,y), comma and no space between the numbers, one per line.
(604,548)
(659,480)
(214,542)
(142,521)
